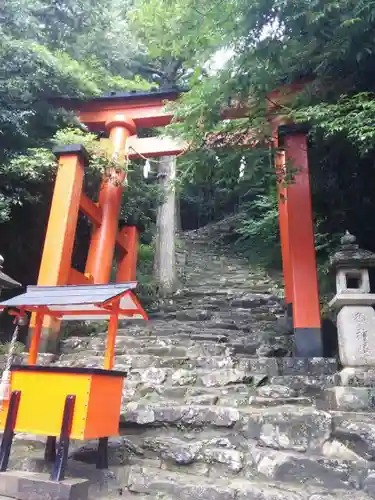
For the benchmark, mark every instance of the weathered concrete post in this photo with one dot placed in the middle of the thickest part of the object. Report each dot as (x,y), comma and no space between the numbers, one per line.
(165,251)
(355,325)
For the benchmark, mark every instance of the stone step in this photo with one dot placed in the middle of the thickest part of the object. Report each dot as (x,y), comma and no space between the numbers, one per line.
(349,398)
(264,402)
(306,385)
(294,428)
(240,393)
(223,452)
(189,393)
(219,303)
(173,330)
(212,371)
(221,457)
(143,394)
(196,377)
(146,480)
(139,361)
(309,469)
(185,348)
(243,402)
(247,295)
(187,416)
(155,376)
(242,284)
(202,291)
(355,430)
(228,295)
(296,373)
(124,495)
(210,336)
(122,341)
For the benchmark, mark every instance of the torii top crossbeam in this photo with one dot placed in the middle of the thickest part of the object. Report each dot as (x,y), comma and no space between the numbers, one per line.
(147,109)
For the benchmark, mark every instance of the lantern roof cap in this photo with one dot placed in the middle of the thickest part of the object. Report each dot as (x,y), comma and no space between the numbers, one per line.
(351,255)
(5,280)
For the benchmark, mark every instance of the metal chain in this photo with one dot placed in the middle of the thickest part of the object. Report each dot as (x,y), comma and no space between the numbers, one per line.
(12,349)
(5,386)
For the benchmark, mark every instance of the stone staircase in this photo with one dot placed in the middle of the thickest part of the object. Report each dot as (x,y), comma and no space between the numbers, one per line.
(206,415)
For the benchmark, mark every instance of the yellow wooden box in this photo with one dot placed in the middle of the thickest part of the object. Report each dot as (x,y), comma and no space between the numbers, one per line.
(43,392)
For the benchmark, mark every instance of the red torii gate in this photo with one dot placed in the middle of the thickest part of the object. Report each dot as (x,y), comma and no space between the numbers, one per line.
(120,115)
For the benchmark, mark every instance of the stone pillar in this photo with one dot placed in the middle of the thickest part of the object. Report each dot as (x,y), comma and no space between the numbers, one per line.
(355,326)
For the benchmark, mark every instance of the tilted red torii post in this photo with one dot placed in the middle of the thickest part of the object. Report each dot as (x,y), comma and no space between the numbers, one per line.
(121,115)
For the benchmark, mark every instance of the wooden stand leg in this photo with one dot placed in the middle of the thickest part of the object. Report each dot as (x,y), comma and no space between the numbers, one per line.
(102,457)
(50,449)
(8,435)
(35,339)
(109,355)
(58,472)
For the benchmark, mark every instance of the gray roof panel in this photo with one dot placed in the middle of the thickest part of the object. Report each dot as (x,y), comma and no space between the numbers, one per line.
(68,295)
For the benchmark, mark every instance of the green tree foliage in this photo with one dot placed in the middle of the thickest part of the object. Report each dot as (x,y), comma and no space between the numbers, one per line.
(177,37)
(328,45)
(48,50)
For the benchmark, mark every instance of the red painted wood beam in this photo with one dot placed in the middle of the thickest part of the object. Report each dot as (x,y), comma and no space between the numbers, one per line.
(90,209)
(283,226)
(127,265)
(151,110)
(78,278)
(103,238)
(94,213)
(143,116)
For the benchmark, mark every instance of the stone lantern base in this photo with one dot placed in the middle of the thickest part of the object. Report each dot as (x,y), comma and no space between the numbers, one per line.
(355,390)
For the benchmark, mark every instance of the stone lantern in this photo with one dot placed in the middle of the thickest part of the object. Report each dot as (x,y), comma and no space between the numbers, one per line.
(5,280)
(355,324)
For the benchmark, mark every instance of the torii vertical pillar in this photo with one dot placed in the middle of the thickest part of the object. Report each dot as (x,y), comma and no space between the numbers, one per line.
(283,227)
(296,223)
(58,246)
(102,246)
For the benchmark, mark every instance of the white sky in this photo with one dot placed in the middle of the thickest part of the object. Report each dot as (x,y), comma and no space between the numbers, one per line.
(222,56)
(219,60)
